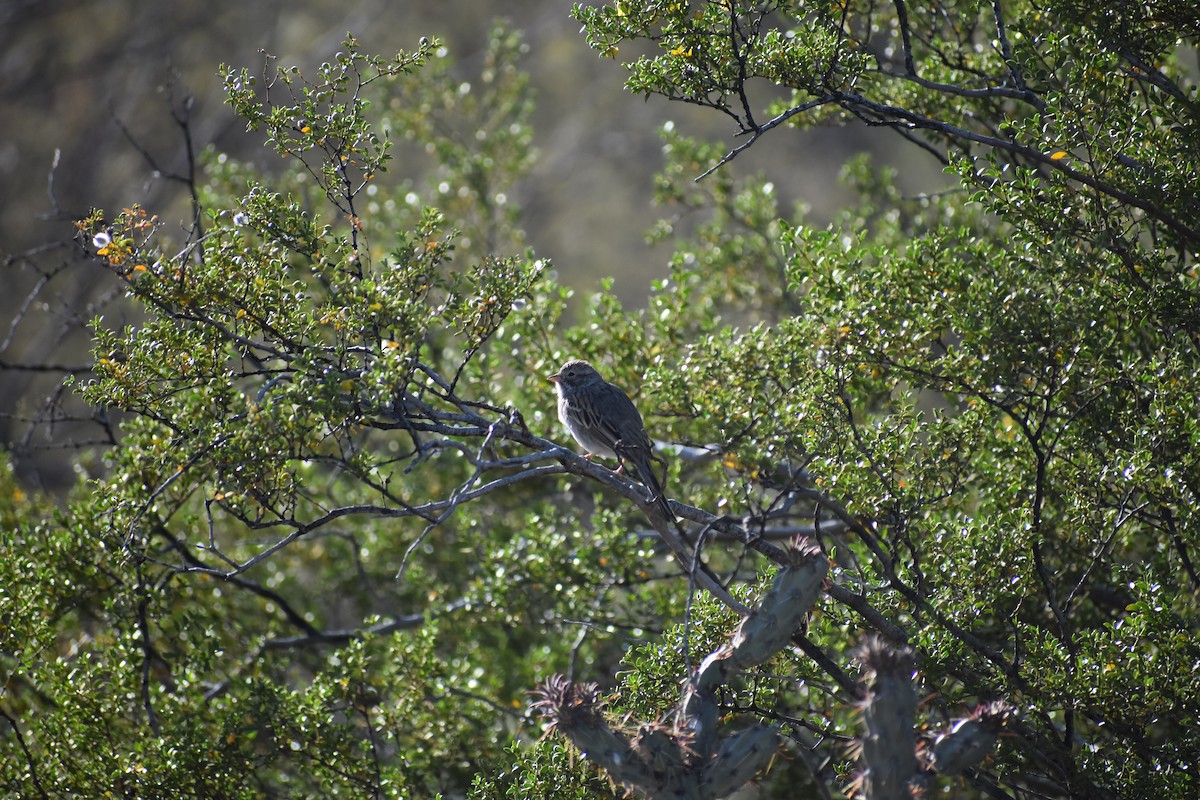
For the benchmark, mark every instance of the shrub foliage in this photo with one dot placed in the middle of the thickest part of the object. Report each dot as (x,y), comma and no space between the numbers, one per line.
(339,536)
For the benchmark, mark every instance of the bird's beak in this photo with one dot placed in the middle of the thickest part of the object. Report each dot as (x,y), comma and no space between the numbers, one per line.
(553,378)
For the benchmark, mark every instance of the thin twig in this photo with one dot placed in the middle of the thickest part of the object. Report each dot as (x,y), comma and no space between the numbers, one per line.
(762,129)
(29,759)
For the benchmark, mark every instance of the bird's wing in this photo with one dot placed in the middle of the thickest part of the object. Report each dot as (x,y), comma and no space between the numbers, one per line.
(625,434)
(625,423)
(604,428)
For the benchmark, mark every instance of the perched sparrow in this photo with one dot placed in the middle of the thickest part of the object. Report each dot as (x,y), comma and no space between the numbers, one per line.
(604,420)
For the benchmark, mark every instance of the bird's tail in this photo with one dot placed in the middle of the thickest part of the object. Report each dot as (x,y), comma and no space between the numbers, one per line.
(645,474)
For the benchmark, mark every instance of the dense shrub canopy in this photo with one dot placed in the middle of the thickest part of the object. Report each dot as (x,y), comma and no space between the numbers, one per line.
(338,536)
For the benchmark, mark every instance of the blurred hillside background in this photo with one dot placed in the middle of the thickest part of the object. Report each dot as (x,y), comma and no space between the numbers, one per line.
(98,81)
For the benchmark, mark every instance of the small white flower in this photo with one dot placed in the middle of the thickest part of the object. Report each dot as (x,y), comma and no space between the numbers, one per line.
(240,219)
(101,240)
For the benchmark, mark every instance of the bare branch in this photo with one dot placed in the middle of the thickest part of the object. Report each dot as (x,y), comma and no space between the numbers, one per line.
(905,37)
(29,759)
(345,636)
(892,115)
(761,129)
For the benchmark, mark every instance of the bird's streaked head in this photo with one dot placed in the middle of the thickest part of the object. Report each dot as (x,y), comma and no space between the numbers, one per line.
(574,374)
